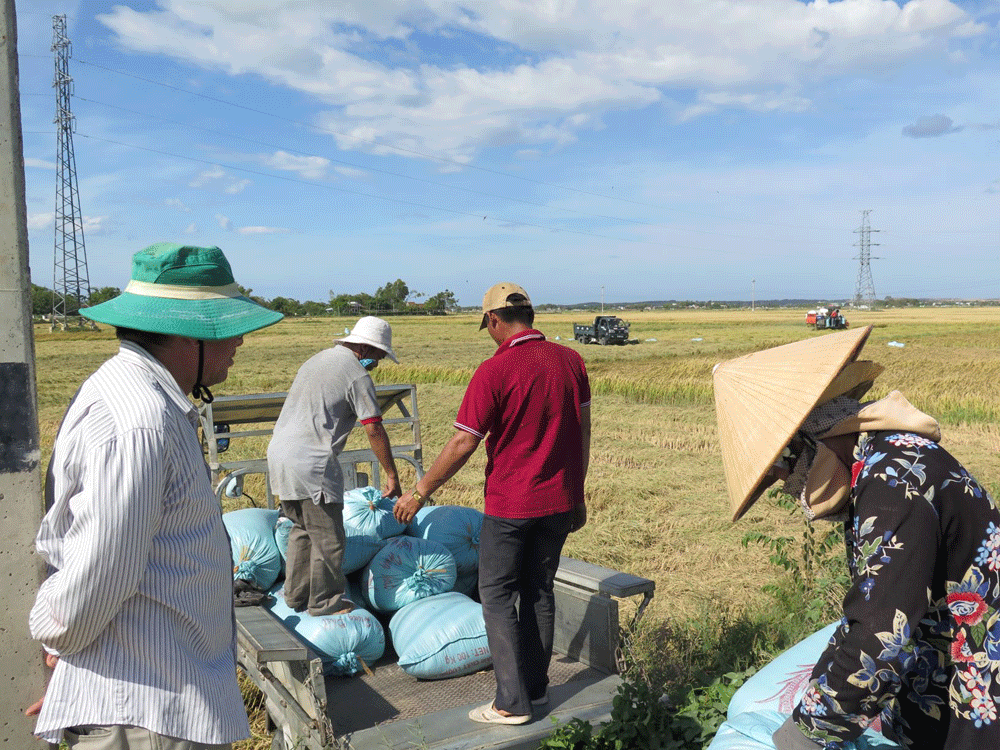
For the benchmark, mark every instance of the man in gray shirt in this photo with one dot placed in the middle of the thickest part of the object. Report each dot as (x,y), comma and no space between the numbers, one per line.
(331,392)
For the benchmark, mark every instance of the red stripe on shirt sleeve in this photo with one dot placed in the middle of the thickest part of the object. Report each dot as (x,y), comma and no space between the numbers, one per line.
(372,420)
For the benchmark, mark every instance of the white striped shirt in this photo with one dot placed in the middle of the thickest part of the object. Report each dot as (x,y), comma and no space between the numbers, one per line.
(140,603)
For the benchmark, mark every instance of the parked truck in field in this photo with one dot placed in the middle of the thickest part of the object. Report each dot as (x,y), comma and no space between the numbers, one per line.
(384,708)
(607,329)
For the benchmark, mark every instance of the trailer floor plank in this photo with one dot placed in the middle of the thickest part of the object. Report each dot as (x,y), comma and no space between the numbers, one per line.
(389,694)
(389,709)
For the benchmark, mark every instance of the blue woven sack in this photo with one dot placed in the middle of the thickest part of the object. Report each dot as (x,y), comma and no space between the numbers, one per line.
(752,730)
(359,549)
(781,683)
(281,528)
(407,569)
(440,636)
(454,526)
(763,702)
(468,584)
(353,592)
(251,540)
(367,513)
(345,643)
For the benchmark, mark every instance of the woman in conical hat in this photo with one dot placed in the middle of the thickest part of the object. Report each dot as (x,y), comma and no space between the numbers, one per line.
(918,648)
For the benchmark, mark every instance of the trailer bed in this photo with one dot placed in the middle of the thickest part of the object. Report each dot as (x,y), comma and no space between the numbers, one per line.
(390,709)
(387,709)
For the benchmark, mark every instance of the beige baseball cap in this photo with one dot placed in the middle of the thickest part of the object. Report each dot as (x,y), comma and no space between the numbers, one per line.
(762,399)
(497,296)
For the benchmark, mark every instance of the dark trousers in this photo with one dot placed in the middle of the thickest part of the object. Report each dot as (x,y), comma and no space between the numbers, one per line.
(314,580)
(518,559)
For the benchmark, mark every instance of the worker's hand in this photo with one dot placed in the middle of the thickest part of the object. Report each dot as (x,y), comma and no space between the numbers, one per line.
(392,488)
(579,517)
(36,707)
(406,508)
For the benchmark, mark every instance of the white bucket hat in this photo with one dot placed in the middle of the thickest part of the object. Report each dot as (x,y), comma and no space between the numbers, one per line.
(762,399)
(374,332)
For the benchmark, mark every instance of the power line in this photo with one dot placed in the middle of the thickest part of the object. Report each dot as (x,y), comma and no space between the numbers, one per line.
(463,165)
(511,222)
(425,181)
(442,159)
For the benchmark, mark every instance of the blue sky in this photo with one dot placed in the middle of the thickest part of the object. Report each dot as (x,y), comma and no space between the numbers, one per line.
(653,149)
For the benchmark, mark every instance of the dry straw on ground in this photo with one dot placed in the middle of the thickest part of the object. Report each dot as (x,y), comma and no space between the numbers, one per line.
(655,491)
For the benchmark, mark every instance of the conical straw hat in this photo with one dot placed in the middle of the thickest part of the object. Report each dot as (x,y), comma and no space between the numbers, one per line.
(762,399)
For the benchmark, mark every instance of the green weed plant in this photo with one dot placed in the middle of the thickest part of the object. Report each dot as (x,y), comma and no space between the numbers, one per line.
(816,575)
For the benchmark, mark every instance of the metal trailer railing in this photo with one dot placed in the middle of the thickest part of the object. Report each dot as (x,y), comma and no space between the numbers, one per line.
(230,418)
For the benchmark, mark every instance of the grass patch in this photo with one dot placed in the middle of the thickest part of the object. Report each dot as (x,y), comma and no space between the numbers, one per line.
(656,491)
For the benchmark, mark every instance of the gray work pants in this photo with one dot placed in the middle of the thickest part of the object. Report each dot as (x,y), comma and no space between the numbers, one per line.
(314,580)
(116,737)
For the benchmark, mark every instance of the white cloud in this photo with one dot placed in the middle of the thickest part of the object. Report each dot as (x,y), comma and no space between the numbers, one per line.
(350,172)
(40,221)
(218,177)
(95,225)
(307,167)
(206,176)
(261,230)
(237,187)
(39,163)
(191,228)
(224,222)
(569,64)
(178,204)
(91,224)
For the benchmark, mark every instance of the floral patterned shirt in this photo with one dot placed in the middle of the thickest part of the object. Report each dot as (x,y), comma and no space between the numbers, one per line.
(918,647)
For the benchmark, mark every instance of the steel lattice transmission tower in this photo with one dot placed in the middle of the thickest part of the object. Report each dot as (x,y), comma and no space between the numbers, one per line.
(71,284)
(864,291)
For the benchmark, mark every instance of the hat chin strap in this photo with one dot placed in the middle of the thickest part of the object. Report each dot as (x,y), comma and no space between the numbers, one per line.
(199,390)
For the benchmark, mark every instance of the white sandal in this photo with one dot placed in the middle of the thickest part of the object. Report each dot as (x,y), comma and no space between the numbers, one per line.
(487,714)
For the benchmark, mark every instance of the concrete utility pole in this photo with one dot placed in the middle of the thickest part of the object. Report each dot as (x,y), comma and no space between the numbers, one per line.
(22,675)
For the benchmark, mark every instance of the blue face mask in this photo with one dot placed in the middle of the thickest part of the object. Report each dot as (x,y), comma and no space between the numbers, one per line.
(368,363)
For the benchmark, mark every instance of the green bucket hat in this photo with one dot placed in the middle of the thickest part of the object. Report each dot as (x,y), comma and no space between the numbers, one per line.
(181,290)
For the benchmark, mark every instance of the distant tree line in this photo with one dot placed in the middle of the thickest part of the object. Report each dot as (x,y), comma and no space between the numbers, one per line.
(395,298)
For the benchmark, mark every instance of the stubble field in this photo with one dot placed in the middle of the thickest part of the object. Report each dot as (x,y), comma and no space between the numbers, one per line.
(655,492)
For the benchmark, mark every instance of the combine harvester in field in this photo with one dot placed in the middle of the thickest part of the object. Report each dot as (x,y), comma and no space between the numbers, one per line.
(827,317)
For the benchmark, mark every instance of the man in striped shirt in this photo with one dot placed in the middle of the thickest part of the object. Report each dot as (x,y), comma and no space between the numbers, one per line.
(137,612)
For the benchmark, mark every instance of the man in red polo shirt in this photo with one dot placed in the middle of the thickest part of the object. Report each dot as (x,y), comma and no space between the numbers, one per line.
(531,401)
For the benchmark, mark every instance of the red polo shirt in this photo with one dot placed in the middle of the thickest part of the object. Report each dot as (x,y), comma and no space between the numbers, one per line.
(525,400)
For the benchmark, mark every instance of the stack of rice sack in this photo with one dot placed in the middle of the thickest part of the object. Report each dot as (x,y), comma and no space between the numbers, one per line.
(419,579)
